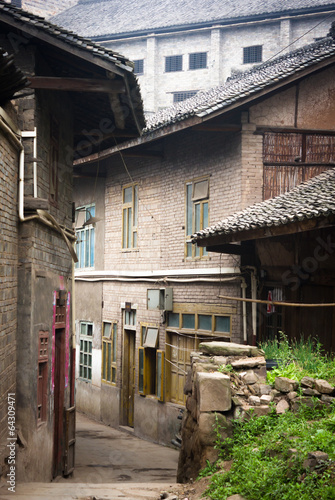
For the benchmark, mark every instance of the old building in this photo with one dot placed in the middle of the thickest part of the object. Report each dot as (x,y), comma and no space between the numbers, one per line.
(181,49)
(290,241)
(76,96)
(44,8)
(145,294)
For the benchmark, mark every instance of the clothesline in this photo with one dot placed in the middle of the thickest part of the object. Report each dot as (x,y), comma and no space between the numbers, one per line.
(275,302)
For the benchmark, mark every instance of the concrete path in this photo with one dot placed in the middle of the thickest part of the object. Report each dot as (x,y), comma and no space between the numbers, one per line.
(110,464)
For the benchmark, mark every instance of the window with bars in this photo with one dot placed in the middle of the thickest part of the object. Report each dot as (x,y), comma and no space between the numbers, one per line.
(197,60)
(185,330)
(129,216)
(252,54)
(139,66)
(197,199)
(182,96)
(292,158)
(85,233)
(42,376)
(85,353)
(173,63)
(109,348)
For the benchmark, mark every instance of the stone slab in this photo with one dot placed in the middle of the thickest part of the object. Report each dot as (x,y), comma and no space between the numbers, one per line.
(213,392)
(229,349)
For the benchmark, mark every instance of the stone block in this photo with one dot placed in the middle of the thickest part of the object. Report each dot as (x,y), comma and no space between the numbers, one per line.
(249,377)
(188,383)
(248,362)
(284,384)
(266,399)
(327,399)
(229,349)
(254,400)
(310,392)
(214,392)
(282,406)
(307,382)
(323,386)
(265,389)
(220,360)
(208,426)
(292,395)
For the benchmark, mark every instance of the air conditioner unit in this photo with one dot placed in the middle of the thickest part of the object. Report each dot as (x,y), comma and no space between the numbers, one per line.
(160,299)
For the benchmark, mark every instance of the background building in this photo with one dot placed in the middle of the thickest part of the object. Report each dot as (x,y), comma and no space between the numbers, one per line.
(180,49)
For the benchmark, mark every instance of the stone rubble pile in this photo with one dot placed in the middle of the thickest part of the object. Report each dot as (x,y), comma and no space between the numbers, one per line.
(228,381)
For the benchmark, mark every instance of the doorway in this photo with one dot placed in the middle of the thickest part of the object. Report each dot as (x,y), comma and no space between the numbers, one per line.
(128,377)
(59,401)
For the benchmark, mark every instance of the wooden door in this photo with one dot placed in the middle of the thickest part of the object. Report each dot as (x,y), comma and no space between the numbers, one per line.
(59,401)
(179,363)
(129,376)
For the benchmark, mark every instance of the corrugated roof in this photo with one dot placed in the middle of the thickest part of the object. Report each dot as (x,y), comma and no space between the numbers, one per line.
(311,199)
(95,18)
(244,85)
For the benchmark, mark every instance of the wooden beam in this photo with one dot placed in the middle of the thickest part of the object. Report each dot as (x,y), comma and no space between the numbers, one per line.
(263,129)
(212,127)
(77,84)
(266,232)
(142,154)
(228,248)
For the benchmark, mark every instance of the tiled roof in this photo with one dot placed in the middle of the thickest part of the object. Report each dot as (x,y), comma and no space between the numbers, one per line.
(69,37)
(95,18)
(311,199)
(244,85)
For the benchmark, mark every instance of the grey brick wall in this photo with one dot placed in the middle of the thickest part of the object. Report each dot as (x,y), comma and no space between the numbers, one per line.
(8,280)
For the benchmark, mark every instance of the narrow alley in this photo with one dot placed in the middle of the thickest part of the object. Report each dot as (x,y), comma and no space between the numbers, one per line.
(110,464)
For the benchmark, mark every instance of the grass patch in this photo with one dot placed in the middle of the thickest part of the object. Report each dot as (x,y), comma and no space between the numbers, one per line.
(263,464)
(268,452)
(298,359)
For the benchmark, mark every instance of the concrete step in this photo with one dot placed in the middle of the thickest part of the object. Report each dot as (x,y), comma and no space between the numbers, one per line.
(87,491)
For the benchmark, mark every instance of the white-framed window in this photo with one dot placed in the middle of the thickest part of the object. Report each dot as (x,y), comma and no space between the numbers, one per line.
(173,63)
(197,201)
(252,54)
(85,233)
(85,352)
(109,350)
(129,216)
(197,60)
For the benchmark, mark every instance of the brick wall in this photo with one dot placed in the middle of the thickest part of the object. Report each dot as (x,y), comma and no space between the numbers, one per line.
(8,281)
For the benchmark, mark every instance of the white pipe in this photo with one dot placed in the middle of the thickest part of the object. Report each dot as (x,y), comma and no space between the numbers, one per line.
(160,273)
(33,135)
(244,309)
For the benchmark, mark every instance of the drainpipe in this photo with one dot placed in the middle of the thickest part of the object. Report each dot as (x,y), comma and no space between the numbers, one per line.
(14,137)
(244,310)
(33,135)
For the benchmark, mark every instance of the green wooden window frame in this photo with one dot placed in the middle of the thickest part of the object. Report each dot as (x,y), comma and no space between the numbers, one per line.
(129,216)
(85,237)
(109,350)
(197,215)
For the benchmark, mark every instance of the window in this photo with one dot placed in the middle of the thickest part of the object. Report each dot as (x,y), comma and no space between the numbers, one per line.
(42,376)
(252,54)
(139,66)
(85,353)
(185,330)
(109,346)
(173,63)
(85,233)
(198,60)
(130,317)
(197,194)
(129,216)
(182,96)
(151,364)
